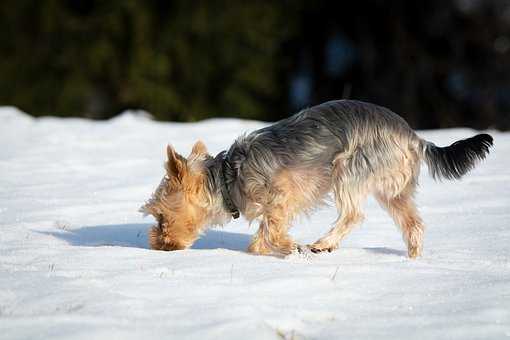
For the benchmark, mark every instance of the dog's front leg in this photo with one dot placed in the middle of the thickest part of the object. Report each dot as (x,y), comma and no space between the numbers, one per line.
(259,245)
(272,236)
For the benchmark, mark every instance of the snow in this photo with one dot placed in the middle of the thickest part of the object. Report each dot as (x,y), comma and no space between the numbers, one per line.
(74,261)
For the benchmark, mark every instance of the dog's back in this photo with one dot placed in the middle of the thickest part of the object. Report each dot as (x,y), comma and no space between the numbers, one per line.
(315,136)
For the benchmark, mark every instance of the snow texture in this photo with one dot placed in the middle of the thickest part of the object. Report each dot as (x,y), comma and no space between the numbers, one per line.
(74,261)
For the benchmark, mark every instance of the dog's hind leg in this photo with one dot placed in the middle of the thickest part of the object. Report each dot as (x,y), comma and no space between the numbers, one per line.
(405,215)
(350,188)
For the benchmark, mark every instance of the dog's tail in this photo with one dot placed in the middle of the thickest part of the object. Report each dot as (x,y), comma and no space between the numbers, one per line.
(454,161)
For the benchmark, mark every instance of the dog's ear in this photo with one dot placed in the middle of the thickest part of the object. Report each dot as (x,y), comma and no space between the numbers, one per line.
(199,150)
(176,164)
(196,157)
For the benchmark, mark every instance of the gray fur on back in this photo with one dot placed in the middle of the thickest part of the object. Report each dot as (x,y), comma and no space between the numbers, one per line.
(313,138)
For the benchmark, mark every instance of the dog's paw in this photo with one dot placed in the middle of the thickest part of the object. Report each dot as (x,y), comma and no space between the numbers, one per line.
(316,249)
(301,252)
(302,249)
(414,252)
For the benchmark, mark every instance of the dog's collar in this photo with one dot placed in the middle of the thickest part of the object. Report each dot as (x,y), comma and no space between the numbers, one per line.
(225,190)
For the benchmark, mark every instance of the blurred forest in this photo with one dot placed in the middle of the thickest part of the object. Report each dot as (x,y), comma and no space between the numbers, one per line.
(438,63)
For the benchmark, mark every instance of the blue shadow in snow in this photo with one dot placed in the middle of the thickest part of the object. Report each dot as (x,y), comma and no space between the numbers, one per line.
(385,251)
(135,236)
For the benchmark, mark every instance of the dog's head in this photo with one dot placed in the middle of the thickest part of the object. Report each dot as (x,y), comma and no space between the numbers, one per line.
(181,203)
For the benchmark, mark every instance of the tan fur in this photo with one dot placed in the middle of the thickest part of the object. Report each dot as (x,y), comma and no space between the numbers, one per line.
(404,212)
(291,193)
(181,205)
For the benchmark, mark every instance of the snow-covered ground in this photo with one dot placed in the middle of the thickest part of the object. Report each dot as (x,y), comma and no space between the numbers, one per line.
(74,261)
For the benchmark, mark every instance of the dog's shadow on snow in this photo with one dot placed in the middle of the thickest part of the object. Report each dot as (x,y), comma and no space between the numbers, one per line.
(385,251)
(135,236)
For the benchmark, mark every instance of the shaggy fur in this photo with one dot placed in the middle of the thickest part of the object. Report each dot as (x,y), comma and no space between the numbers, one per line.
(346,147)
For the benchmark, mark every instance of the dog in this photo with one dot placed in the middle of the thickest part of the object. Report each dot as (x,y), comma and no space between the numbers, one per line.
(350,148)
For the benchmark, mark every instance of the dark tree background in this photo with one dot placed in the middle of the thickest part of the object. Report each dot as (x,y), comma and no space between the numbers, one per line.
(438,63)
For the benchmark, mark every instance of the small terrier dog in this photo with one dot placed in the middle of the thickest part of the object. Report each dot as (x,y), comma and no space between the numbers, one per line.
(348,147)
